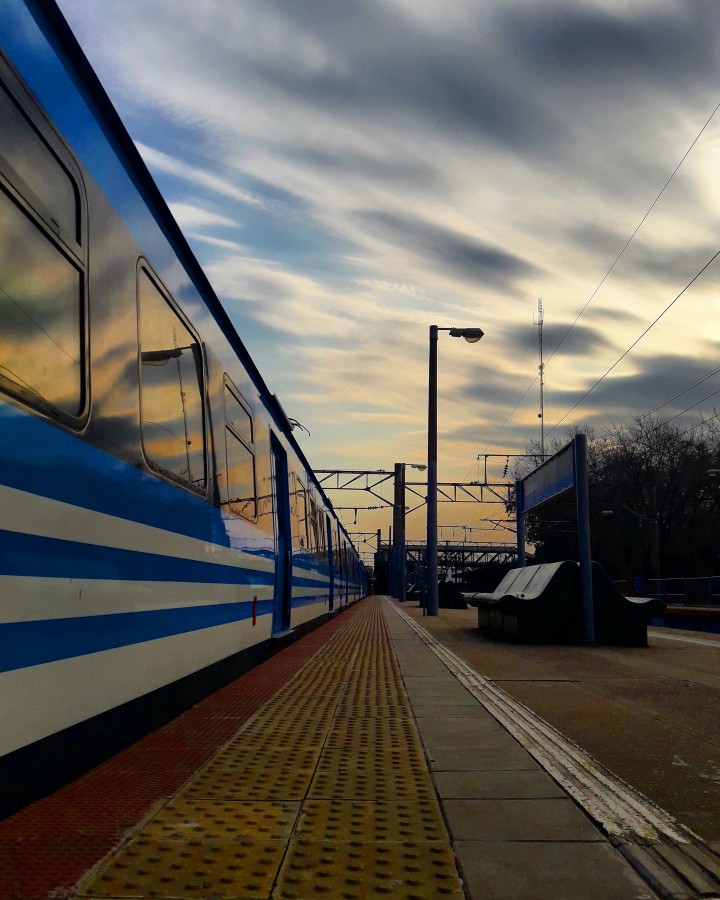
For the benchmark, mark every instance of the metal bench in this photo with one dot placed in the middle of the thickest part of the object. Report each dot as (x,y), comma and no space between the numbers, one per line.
(541,604)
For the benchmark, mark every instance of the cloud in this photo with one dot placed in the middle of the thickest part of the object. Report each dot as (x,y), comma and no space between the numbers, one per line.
(280,300)
(581,340)
(669,264)
(451,252)
(655,381)
(189,216)
(342,162)
(649,42)
(157,161)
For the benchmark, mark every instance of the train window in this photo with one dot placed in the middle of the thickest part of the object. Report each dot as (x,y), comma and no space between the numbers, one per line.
(172,418)
(42,344)
(37,173)
(237,417)
(240,457)
(302,516)
(322,536)
(313,530)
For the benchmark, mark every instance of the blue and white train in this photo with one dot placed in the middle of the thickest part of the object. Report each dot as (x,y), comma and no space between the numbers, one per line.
(160,529)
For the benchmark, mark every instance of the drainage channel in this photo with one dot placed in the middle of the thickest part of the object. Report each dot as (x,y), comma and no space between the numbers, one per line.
(673,860)
(324,792)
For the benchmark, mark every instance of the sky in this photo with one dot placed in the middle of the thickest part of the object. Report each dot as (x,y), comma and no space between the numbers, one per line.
(350,173)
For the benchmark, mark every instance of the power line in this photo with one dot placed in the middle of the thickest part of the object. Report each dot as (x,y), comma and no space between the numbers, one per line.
(646,415)
(677,416)
(636,341)
(604,278)
(699,424)
(640,224)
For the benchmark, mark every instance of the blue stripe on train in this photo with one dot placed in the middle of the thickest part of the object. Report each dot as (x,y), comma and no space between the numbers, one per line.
(44,557)
(42,459)
(25,644)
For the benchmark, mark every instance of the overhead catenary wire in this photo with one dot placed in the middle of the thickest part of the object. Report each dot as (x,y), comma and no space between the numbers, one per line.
(636,341)
(639,226)
(700,424)
(650,412)
(694,406)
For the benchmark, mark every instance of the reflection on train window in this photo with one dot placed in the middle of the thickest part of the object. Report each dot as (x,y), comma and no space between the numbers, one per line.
(313,530)
(240,457)
(323,536)
(36,172)
(302,517)
(41,353)
(173,431)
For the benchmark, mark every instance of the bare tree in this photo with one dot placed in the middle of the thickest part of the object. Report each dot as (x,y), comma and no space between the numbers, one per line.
(655,510)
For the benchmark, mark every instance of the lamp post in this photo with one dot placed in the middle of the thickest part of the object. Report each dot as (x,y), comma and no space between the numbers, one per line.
(472,336)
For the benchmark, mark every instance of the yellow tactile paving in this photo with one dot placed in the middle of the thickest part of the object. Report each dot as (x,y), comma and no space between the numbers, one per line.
(348,870)
(371,820)
(217,820)
(324,792)
(191,869)
(352,784)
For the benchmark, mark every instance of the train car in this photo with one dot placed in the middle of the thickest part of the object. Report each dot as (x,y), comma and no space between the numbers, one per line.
(160,528)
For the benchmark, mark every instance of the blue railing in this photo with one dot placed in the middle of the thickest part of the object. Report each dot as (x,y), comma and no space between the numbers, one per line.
(703,591)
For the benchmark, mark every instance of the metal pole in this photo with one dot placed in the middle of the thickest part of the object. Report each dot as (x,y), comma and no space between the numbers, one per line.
(402,562)
(520,522)
(423,602)
(395,556)
(583,518)
(432,562)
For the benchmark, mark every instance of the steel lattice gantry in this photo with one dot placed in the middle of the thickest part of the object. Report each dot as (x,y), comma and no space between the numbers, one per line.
(457,557)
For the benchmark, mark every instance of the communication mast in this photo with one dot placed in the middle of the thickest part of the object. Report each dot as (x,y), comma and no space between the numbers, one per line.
(541,371)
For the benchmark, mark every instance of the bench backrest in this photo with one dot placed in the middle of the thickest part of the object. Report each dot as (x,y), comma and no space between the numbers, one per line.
(529,581)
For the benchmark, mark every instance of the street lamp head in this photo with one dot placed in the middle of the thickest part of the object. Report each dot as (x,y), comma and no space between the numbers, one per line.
(713,473)
(471,335)
(419,466)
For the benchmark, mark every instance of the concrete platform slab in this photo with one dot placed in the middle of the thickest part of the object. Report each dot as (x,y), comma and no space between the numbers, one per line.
(505,785)
(460,733)
(417,659)
(510,756)
(518,820)
(449,711)
(542,871)
(493,739)
(438,689)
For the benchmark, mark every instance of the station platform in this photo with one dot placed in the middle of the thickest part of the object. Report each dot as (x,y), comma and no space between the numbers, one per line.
(384,754)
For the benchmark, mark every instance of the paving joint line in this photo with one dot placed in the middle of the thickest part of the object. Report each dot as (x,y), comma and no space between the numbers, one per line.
(296,822)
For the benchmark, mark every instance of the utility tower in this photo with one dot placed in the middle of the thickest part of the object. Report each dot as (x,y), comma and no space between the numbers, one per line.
(541,371)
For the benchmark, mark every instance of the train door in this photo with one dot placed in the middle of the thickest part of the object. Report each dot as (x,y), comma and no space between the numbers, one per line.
(346,569)
(283,538)
(331,560)
(339,575)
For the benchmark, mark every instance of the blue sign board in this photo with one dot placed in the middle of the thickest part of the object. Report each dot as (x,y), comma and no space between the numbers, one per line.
(553,477)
